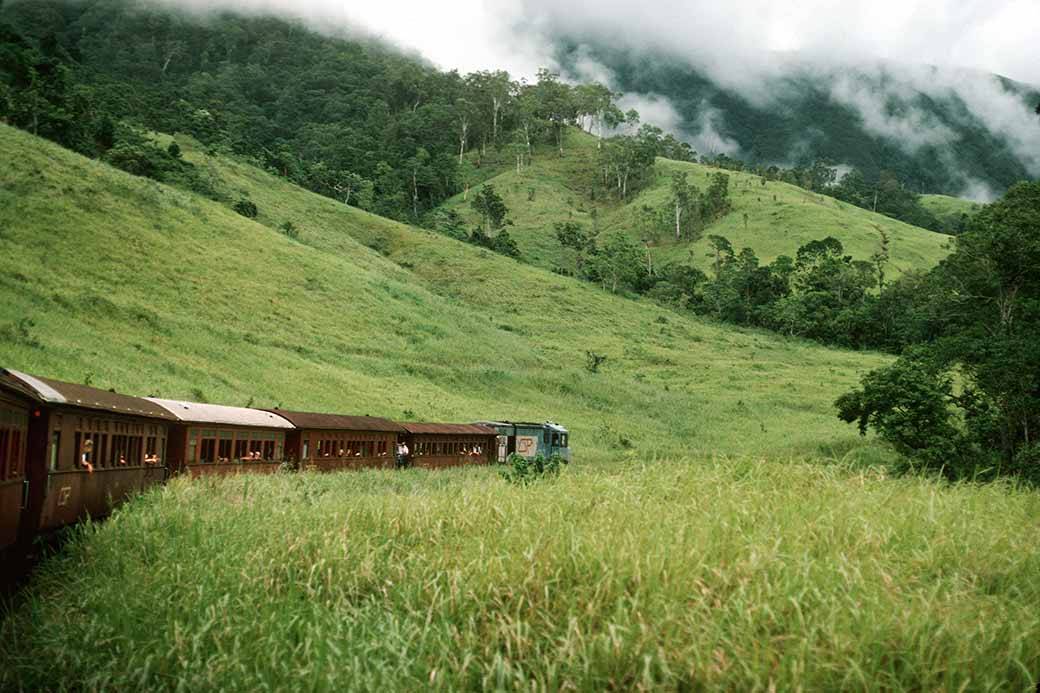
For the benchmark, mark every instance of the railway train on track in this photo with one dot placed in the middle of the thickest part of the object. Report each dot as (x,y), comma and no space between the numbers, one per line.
(69,451)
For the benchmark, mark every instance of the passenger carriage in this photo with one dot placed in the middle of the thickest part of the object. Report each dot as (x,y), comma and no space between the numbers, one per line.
(82,450)
(216,439)
(436,445)
(530,439)
(331,442)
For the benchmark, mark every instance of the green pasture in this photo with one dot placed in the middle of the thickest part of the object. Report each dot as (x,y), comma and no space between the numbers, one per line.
(780,217)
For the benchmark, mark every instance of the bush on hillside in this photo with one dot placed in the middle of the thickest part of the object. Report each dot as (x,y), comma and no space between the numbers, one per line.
(246,208)
(523,471)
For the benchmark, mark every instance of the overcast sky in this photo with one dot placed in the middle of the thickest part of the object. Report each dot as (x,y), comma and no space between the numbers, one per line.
(991,35)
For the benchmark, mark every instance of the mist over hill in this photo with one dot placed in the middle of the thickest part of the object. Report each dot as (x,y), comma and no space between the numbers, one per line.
(940,130)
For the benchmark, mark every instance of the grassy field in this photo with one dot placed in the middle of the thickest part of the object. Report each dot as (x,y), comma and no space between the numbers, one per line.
(720,528)
(719,575)
(780,217)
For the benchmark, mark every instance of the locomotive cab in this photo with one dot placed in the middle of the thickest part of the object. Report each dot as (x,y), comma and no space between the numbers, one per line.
(530,439)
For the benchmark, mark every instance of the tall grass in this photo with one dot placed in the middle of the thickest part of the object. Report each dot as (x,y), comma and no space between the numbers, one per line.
(736,574)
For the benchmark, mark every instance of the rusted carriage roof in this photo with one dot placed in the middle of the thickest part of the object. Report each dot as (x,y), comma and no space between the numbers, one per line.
(197,412)
(551,425)
(449,429)
(59,392)
(337,422)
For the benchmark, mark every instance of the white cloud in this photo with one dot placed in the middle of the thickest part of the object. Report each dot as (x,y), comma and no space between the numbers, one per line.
(735,41)
(750,47)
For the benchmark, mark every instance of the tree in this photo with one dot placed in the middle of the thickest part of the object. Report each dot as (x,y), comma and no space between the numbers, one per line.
(595,104)
(684,196)
(494,91)
(985,299)
(908,404)
(463,118)
(721,250)
(555,103)
(572,235)
(491,208)
(715,202)
(628,159)
(618,262)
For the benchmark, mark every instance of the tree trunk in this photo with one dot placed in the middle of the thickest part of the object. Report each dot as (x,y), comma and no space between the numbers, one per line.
(496,104)
(678,216)
(415,195)
(462,140)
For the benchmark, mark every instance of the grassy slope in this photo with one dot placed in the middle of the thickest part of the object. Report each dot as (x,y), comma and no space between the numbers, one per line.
(152,290)
(775,227)
(949,208)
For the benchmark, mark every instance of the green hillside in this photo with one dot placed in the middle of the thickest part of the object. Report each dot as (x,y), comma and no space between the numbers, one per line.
(953,212)
(780,217)
(152,290)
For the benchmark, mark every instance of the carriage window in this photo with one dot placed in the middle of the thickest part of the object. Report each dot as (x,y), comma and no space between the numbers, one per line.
(55,447)
(241,446)
(101,445)
(224,449)
(564,440)
(208,450)
(192,445)
(268,449)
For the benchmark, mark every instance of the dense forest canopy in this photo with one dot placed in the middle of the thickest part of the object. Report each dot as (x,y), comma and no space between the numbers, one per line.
(348,118)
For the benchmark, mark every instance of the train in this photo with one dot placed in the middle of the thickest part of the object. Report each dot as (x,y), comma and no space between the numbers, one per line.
(71,451)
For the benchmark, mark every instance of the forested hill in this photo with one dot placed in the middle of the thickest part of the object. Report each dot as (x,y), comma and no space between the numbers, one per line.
(345,117)
(936,131)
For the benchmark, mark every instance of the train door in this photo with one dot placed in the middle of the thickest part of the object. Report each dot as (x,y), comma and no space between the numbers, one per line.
(14,434)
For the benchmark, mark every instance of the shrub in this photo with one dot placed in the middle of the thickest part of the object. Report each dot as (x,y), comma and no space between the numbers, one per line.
(593,361)
(290,230)
(523,471)
(246,208)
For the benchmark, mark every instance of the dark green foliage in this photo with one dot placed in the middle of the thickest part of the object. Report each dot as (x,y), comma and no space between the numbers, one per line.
(246,208)
(593,361)
(522,471)
(289,229)
(982,308)
(135,154)
(492,209)
(20,333)
(885,195)
(909,405)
